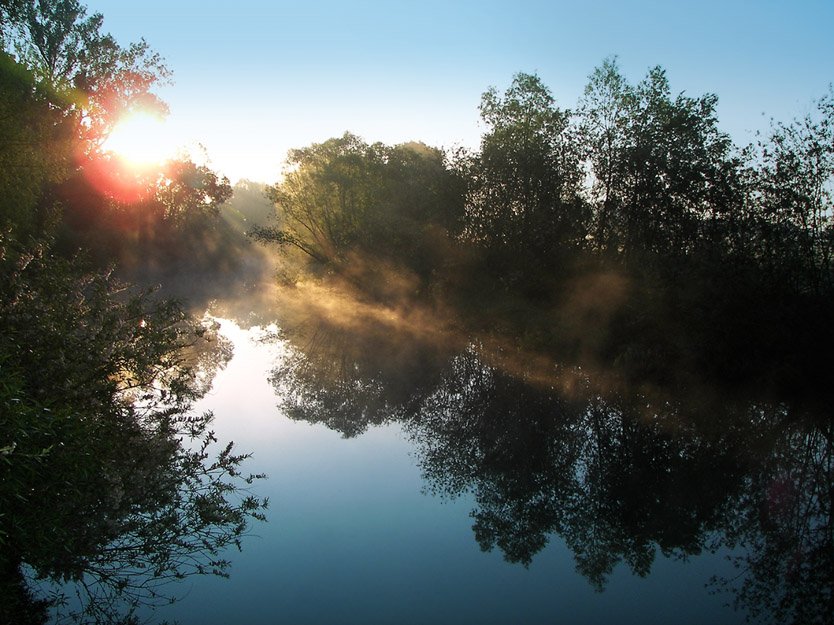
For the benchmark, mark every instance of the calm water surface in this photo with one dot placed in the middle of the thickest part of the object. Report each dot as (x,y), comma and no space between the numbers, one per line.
(355,536)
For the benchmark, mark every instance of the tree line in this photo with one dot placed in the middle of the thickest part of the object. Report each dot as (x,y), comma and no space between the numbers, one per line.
(683,242)
(632,175)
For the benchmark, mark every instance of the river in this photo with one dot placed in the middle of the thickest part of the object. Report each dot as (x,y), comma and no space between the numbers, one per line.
(355,536)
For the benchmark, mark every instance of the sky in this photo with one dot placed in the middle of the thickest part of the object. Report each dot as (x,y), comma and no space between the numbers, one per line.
(252,80)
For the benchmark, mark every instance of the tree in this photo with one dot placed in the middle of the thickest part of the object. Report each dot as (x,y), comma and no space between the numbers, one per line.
(523,199)
(36,151)
(322,200)
(660,166)
(70,84)
(350,206)
(67,50)
(604,115)
(65,85)
(185,191)
(108,481)
(794,199)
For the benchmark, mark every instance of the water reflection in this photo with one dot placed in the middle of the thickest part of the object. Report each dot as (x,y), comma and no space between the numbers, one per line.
(619,474)
(352,366)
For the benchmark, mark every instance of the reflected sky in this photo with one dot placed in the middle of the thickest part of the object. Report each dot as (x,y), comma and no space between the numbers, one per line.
(352,537)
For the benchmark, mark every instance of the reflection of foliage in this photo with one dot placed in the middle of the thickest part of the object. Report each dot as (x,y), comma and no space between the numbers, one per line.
(319,387)
(354,368)
(620,475)
(99,486)
(787,574)
(647,483)
(509,443)
(538,462)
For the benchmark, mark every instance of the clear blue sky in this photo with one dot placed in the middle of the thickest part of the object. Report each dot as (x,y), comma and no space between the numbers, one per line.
(254,79)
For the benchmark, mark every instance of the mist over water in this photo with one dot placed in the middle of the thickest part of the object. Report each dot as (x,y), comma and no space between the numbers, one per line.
(419,471)
(371,521)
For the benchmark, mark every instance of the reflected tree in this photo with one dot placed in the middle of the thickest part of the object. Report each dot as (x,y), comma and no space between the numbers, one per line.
(351,364)
(109,483)
(786,528)
(615,483)
(622,473)
(509,443)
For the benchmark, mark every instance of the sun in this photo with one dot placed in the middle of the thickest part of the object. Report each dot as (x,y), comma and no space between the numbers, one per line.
(141,138)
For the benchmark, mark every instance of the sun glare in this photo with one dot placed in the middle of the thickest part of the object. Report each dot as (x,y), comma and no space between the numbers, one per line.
(141,138)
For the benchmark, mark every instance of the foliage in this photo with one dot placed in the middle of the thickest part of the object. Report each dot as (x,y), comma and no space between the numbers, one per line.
(344,201)
(36,150)
(68,50)
(793,202)
(108,481)
(660,167)
(188,191)
(523,198)
(68,84)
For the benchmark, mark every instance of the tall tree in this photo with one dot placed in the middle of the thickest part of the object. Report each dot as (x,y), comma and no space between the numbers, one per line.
(795,198)
(605,112)
(524,183)
(36,150)
(660,165)
(68,50)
